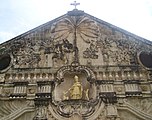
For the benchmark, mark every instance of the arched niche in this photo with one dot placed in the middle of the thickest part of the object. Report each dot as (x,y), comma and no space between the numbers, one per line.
(66,78)
(75,69)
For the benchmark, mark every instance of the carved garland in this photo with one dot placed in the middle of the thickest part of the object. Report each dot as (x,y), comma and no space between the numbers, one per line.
(78,69)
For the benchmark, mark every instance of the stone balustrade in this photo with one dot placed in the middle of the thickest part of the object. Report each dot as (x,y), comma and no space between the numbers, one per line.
(121,75)
(30,77)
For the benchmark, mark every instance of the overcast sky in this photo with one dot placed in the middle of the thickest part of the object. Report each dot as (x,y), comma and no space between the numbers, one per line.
(19,16)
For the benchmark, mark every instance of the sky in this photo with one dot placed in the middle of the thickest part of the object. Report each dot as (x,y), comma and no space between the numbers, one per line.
(19,16)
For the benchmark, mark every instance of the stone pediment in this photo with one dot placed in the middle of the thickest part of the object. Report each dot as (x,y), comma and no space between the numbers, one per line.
(60,40)
(76,67)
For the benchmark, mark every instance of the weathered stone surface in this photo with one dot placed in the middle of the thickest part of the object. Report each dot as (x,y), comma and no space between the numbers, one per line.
(113,68)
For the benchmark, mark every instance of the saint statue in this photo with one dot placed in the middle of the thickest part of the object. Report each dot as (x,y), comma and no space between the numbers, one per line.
(76,89)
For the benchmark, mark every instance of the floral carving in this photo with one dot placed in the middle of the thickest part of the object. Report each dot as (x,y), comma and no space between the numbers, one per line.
(91,52)
(60,39)
(61,49)
(76,26)
(144,105)
(83,26)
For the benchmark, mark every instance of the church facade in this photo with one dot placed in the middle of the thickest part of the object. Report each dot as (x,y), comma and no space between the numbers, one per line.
(76,67)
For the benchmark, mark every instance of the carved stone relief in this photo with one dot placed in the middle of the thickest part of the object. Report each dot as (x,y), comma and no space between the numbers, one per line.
(76,67)
(134,108)
(13,109)
(73,38)
(144,105)
(124,115)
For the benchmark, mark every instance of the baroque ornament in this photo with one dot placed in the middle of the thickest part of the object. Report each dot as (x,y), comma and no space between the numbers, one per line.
(77,26)
(76,67)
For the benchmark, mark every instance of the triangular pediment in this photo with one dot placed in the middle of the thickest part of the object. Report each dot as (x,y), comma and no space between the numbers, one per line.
(75,37)
(76,67)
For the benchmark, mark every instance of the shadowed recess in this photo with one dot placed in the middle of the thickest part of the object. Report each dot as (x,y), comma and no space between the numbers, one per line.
(146,59)
(4,61)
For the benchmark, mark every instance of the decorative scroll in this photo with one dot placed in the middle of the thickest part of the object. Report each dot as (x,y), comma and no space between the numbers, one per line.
(139,108)
(46,63)
(14,109)
(91,52)
(79,68)
(61,49)
(59,41)
(84,108)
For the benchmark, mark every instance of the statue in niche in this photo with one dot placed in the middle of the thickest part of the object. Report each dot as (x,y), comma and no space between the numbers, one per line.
(75,92)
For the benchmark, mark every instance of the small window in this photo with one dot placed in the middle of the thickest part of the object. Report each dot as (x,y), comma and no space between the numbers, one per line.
(145,59)
(5,61)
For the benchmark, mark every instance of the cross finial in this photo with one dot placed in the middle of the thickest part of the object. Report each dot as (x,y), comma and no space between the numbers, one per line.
(75,4)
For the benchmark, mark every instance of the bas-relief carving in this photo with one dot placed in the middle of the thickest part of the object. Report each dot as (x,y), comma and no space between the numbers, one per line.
(110,113)
(118,48)
(15,108)
(26,116)
(73,42)
(134,108)
(78,110)
(124,115)
(75,91)
(78,95)
(144,105)
(61,41)
(80,89)
(77,98)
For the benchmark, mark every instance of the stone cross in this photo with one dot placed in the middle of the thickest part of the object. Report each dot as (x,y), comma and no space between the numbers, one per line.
(75,4)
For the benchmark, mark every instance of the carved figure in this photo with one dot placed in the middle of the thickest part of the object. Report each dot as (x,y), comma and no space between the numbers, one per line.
(91,52)
(76,89)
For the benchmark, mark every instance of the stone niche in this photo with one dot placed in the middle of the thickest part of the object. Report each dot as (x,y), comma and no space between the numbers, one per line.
(63,93)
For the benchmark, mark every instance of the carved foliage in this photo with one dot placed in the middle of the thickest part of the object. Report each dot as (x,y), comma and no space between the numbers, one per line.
(79,25)
(91,51)
(119,48)
(144,105)
(60,39)
(61,50)
(24,51)
(83,27)
(81,107)
(12,109)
